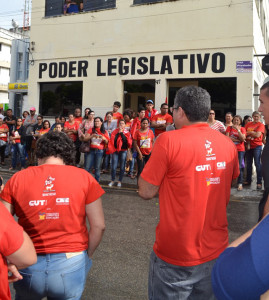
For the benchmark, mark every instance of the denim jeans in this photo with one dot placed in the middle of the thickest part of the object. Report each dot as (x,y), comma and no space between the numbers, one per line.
(256,154)
(118,156)
(18,148)
(241,155)
(54,276)
(173,282)
(94,159)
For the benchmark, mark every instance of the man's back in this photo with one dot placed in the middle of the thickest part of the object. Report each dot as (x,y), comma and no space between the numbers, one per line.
(194,167)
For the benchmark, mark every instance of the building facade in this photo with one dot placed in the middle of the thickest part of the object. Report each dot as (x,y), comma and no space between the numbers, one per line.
(6,38)
(135,50)
(19,73)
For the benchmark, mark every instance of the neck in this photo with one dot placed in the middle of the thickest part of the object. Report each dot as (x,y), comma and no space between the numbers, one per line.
(51,160)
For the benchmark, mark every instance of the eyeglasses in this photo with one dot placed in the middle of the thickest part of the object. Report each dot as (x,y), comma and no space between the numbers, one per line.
(211,113)
(39,119)
(19,121)
(174,108)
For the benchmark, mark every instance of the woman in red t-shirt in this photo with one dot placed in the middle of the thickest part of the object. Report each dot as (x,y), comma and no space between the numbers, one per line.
(45,128)
(71,127)
(120,142)
(99,139)
(143,143)
(3,137)
(18,139)
(237,134)
(254,134)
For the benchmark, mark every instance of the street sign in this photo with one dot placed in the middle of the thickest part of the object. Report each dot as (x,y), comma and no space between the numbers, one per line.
(265,64)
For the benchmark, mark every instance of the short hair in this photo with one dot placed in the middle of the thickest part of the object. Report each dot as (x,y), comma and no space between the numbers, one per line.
(56,144)
(109,113)
(122,120)
(195,102)
(256,113)
(163,104)
(117,103)
(128,113)
(265,86)
(229,113)
(239,117)
(58,117)
(144,119)
(59,124)
(40,116)
(9,109)
(141,108)
(45,121)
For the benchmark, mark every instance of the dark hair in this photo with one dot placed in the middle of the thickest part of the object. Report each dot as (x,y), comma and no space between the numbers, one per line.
(58,124)
(26,111)
(56,144)
(86,116)
(256,113)
(109,113)
(39,116)
(127,113)
(122,120)
(63,117)
(117,103)
(195,102)
(244,120)
(229,113)
(140,108)
(19,118)
(57,117)
(45,121)
(239,117)
(265,86)
(102,128)
(9,109)
(144,119)
(163,104)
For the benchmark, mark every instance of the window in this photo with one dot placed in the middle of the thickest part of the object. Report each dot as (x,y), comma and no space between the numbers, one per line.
(60,98)
(147,1)
(19,66)
(98,4)
(54,8)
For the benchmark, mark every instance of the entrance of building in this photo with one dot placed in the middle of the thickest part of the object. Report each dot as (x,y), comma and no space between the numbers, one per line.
(221,90)
(137,92)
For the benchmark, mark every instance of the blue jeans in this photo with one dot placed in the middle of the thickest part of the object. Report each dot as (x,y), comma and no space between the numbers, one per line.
(241,155)
(173,282)
(54,276)
(118,156)
(18,148)
(256,154)
(94,159)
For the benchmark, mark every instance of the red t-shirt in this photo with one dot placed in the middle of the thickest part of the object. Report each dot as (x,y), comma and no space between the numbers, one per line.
(79,120)
(43,131)
(234,134)
(136,125)
(161,119)
(11,239)
(74,126)
(128,125)
(98,143)
(50,201)
(150,115)
(3,135)
(144,141)
(194,175)
(257,127)
(16,134)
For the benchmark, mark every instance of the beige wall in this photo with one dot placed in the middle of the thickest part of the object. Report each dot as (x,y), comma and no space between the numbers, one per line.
(170,28)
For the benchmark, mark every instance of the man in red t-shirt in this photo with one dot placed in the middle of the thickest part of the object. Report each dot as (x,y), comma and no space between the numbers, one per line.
(78,117)
(136,125)
(16,246)
(116,116)
(52,202)
(160,121)
(192,169)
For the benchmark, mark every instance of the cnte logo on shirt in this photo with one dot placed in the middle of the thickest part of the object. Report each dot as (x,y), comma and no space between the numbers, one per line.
(203,168)
(37,202)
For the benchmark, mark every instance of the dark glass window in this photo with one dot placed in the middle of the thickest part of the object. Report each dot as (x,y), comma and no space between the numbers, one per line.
(60,98)
(54,8)
(99,4)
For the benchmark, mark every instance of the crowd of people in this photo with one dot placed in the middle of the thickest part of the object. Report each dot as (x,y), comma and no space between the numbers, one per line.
(192,176)
(125,140)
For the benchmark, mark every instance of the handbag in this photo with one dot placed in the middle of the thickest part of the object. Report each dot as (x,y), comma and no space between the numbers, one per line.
(85,147)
